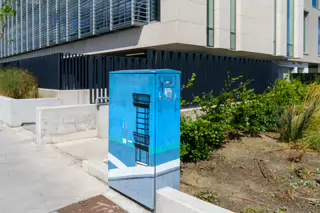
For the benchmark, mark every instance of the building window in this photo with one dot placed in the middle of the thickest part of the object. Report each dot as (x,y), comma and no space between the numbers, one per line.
(155,10)
(233,27)
(290,26)
(275,28)
(315,3)
(210,23)
(319,37)
(305,31)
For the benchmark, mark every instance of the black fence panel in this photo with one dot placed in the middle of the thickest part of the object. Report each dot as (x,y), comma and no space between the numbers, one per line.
(74,71)
(306,77)
(45,68)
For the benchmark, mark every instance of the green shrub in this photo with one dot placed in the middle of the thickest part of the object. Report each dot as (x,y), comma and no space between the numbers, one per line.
(239,111)
(297,118)
(199,138)
(17,83)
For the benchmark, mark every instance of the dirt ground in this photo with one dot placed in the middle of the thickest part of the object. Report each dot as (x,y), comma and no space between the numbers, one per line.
(257,175)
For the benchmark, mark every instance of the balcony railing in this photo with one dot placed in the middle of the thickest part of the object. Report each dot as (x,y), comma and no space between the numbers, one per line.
(43,23)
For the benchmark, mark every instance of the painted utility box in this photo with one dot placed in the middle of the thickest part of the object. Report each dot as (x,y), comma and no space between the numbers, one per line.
(144,134)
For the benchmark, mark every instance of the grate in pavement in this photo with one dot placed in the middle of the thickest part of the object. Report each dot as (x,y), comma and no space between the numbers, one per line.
(98,204)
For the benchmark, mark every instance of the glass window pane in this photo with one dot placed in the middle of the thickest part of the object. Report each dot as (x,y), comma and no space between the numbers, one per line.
(319,37)
(233,24)
(290,27)
(210,23)
(314,3)
(210,13)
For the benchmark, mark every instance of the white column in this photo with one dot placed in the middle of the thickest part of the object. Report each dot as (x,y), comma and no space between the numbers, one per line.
(298,29)
(281,28)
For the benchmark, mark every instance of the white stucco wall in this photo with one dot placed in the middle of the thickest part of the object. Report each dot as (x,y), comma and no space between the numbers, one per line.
(171,200)
(311,53)
(67,97)
(15,112)
(66,123)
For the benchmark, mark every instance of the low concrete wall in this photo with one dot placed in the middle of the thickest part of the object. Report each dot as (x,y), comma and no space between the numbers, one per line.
(103,121)
(67,97)
(171,200)
(66,123)
(192,113)
(15,112)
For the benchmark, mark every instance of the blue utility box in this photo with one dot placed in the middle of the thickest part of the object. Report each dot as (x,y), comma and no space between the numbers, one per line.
(144,133)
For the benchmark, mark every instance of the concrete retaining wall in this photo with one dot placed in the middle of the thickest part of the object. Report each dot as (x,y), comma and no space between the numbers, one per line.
(103,121)
(67,97)
(66,123)
(171,200)
(15,112)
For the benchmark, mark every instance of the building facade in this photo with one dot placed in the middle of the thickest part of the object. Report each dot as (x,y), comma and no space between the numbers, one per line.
(286,31)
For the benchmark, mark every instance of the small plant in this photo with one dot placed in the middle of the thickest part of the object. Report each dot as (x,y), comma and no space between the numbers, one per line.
(199,138)
(317,171)
(301,183)
(207,196)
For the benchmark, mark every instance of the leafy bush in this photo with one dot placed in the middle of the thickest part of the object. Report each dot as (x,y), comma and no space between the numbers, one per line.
(17,83)
(199,138)
(239,111)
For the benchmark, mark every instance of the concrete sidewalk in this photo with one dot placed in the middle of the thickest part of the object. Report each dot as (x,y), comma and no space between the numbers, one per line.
(40,179)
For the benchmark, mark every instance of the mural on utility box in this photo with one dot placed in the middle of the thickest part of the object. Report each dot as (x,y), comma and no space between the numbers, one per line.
(144,133)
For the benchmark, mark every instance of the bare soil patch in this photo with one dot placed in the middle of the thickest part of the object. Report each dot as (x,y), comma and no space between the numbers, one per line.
(256,175)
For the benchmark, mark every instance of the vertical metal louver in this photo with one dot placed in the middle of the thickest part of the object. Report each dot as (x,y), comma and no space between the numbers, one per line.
(23,26)
(36,24)
(29,24)
(121,14)
(154,10)
(73,28)
(62,21)
(14,31)
(18,23)
(43,23)
(52,19)
(86,16)
(102,17)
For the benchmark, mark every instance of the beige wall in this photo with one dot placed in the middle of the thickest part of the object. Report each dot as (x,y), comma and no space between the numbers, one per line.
(183,26)
(311,54)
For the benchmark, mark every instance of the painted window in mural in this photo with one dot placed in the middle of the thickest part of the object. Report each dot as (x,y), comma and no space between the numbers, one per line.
(141,135)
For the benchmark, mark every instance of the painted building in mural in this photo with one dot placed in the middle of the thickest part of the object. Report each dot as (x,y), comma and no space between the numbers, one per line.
(144,136)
